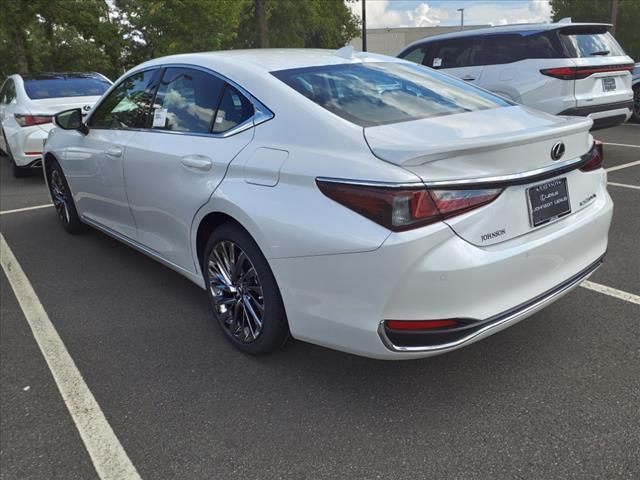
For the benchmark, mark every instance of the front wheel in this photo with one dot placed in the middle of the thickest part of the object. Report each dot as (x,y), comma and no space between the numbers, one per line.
(243,292)
(62,200)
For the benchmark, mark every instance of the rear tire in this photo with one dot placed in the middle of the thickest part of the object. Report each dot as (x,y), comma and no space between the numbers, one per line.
(243,292)
(635,116)
(63,200)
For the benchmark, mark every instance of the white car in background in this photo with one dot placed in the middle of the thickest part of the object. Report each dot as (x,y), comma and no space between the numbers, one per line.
(560,68)
(356,201)
(27,106)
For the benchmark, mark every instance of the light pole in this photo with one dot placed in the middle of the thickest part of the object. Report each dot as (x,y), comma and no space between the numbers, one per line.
(364,26)
(461,10)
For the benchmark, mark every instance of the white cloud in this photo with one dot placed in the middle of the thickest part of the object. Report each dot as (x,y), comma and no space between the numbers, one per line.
(422,14)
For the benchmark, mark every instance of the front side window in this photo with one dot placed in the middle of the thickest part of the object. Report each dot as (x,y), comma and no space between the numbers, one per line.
(456,53)
(64,85)
(186,101)
(380,93)
(127,106)
(234,109)
(416,55)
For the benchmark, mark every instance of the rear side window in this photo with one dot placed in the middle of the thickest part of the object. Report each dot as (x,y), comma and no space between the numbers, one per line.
(8,92)
(65,85)
(234,109)
(186,101)
(509,48)
(456,53)
(127,106)
(589,42)
(380,93)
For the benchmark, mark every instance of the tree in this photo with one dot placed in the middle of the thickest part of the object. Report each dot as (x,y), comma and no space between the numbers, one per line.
(628,18)
(166,27)
(46,35)
(297,23)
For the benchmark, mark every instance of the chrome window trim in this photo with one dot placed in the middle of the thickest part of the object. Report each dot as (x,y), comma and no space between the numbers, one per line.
(260,115)
(504,319)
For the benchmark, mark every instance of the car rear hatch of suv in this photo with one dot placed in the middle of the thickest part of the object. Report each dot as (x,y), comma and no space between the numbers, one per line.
(502,172)
(600,71)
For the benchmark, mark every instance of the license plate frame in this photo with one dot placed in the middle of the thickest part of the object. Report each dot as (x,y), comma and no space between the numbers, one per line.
(609,84)
(548,201)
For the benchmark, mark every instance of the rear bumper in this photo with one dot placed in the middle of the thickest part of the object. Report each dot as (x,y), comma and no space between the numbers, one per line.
(447,340)
(339,301)
(603,116)
(27,145)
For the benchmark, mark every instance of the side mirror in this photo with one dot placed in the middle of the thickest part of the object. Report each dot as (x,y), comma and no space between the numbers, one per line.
(71,120)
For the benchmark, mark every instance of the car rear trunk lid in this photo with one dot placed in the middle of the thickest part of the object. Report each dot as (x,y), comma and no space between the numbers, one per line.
(507,148)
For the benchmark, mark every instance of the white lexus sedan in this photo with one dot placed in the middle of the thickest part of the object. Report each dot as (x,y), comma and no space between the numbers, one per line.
(352,200)
(27,106)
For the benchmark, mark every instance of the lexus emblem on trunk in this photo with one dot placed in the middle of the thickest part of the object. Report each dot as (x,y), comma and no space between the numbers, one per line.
(86,108)
(557,151)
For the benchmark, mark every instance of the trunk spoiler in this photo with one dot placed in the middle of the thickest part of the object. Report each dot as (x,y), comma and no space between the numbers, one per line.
(418,154)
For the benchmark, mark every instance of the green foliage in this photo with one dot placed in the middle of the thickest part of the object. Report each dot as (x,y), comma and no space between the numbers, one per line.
(110,36)
(300,23)
(45,35)
(628,24)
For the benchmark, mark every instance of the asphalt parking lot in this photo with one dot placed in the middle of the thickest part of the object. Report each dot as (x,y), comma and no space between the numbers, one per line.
(556,396)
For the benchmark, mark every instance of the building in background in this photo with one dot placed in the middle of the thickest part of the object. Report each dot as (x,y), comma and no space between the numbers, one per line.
(389,41)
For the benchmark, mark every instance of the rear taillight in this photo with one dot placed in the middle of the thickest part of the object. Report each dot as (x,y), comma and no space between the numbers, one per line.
(25,120)
(578,73)
(401,208)
(595,157)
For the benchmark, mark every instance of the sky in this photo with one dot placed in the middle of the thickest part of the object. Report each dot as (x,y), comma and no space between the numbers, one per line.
(424,13)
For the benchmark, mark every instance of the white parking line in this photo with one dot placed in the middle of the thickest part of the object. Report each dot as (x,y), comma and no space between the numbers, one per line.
(620,167)
(109,458)
(25,209)
(612,292)
(621,145)
(635,187)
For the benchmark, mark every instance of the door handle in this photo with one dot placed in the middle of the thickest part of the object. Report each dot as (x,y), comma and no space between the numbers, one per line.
(198,162)
(468,78)
(114,152)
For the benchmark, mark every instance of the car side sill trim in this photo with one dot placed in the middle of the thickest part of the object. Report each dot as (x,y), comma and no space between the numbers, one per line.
(499,321)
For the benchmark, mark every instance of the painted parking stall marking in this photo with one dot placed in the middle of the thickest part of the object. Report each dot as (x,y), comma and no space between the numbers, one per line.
(107,454)
(25,209)
(612,292)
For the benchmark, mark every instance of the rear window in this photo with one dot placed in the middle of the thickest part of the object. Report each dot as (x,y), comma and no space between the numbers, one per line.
(581,42)
(50,86)
(370,94)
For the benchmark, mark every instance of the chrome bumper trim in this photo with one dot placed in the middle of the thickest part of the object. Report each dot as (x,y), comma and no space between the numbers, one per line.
(499,321)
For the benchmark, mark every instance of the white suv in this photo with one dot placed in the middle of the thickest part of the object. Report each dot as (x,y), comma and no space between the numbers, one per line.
(560,68)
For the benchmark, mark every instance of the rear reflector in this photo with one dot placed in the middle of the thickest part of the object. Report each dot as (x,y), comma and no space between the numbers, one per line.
(578,73)
(420,324)
(401,208)
(25,120)
(595,157)
(33,153)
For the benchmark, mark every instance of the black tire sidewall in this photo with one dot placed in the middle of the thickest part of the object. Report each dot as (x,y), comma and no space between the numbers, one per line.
(74,225)
(635,116)
(275,329)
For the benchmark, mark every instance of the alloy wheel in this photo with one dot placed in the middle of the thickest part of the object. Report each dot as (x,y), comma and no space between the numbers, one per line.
(59,195)
(236,290)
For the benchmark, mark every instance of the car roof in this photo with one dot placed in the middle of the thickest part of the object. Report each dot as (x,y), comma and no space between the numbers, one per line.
(512,28)
(273,59)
